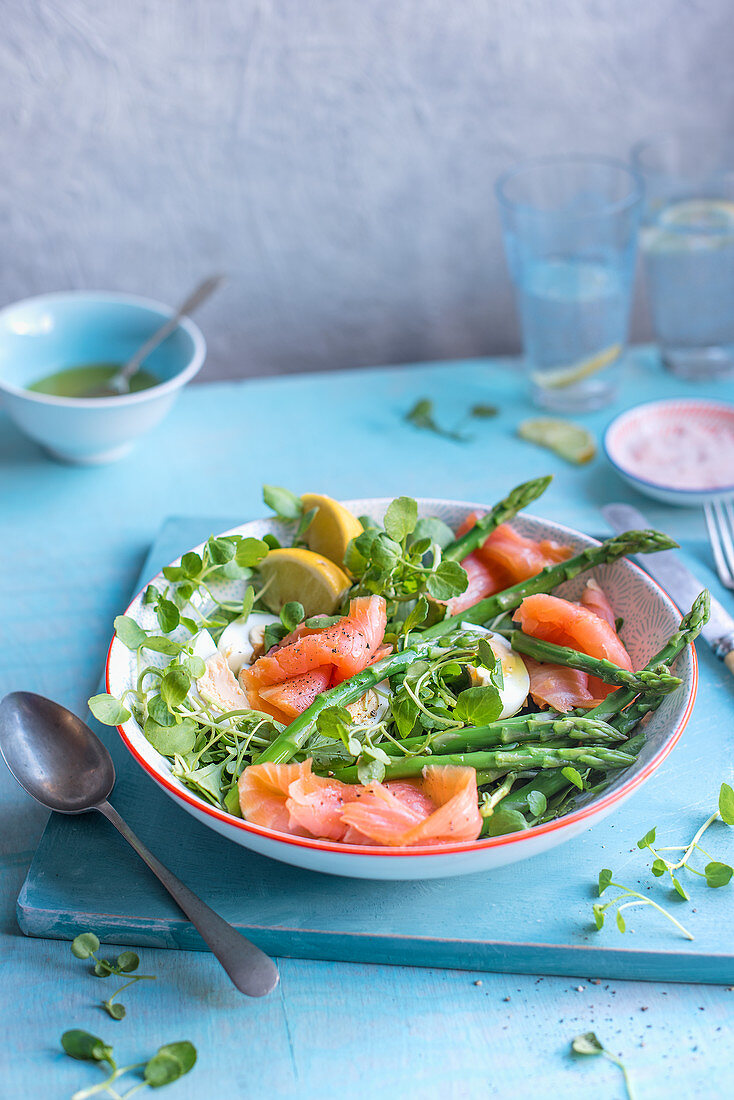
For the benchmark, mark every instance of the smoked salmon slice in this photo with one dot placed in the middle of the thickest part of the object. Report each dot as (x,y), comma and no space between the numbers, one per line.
(553,619)
(308,661)
(558,687)
(483,582)
(595,599)
(439,808)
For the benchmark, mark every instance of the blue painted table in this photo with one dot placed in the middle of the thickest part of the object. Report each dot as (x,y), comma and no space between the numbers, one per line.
(72,543)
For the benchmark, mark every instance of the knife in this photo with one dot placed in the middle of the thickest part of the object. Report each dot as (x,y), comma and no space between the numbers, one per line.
(678,582)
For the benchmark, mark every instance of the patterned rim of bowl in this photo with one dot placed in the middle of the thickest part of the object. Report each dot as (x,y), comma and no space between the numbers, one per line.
(670,409)
(582,814)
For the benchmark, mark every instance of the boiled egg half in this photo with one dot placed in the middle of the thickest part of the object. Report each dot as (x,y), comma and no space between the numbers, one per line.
(517,681)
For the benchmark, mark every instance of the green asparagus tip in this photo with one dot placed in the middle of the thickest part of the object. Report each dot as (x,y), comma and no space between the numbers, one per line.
(640,542)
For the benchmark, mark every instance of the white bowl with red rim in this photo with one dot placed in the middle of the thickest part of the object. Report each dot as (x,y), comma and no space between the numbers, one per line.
(650,617)
(679,451)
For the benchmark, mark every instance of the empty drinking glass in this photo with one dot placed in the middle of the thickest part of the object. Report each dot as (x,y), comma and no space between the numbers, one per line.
(570,229)
(688,244)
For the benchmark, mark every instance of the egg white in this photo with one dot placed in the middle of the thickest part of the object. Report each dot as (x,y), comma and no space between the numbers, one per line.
(517,681)
(240,639)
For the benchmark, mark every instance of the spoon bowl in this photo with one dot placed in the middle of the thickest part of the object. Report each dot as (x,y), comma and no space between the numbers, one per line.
(53,755)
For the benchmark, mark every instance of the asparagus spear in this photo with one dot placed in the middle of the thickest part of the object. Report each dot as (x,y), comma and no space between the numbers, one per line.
(689,629)
(517,499)
(631,542)
(655,681)
(526,727)
(613,707)
(531,756)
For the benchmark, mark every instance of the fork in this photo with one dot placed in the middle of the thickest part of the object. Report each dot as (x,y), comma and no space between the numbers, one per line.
(720,525)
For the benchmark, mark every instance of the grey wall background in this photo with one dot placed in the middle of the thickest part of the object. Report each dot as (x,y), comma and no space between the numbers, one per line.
(335,156)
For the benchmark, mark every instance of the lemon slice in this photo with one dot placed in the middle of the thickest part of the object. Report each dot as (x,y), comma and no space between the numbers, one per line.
(576,372)
(332,527)
(302,575)
(691,225)
(570,441)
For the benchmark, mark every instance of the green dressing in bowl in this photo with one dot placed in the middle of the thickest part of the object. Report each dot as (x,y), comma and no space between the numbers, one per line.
(79,381)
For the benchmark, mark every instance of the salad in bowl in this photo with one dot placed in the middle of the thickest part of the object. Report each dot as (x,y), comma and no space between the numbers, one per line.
(416,679)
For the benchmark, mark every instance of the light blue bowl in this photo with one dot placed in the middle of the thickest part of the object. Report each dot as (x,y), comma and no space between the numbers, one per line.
(42,335)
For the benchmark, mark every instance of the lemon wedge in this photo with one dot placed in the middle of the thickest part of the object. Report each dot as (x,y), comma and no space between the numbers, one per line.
(561,377)
(331,529)
(570,441)
(296,574)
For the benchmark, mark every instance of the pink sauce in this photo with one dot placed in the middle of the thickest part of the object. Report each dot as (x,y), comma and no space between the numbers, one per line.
(684,455)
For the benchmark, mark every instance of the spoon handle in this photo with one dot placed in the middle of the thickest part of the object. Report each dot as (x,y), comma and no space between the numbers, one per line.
(251,970)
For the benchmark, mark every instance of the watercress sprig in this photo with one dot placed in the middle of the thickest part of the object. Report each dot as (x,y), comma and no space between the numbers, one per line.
(85,946)
(588,1045)
(170,1062)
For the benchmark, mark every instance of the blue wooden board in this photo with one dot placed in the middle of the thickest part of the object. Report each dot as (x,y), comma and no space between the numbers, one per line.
(533,917)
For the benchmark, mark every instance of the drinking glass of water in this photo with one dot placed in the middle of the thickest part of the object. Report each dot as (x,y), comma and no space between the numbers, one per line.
(570,229)
(688,243)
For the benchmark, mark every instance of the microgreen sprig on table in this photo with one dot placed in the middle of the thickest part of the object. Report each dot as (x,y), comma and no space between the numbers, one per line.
(422,416)
(86,945)
(589,1045)
(715,873)
(170,1062)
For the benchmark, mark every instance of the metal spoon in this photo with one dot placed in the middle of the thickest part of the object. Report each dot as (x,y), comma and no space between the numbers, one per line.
(59,761)
(119,383)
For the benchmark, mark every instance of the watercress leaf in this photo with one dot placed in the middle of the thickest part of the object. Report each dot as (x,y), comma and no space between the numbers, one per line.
(428,527)
(717,874)
(151,594)
(192,564)
(220,550)
(679,888)
(272,635)
(175,684)
(400,518)
(84,945)
(659,867)
(189,624)
(271,541)
(384,552)
(103,968)
(168,614)
(127,962)
(232,801)
(250,552)
(171,740)
(418,548)
(726,804)
(598,911)
(620,922)
(404,711)
(573,777)
(335,722)
(184,1052)
(282,501)
(159,712)
(162,1069)
(506,821)
(173,573)
(85,1047)
(305,522)
(291,615)
(605,878)
(195,665)
(370,770)
(647,839)
(587,1044)
(478,706)
(159,644)
(129,632)
(416,615)
(108,710)
(354,561)
(247,601)
(537,803)
(421,416)
(114,1009)
(448,580)
(320,622)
